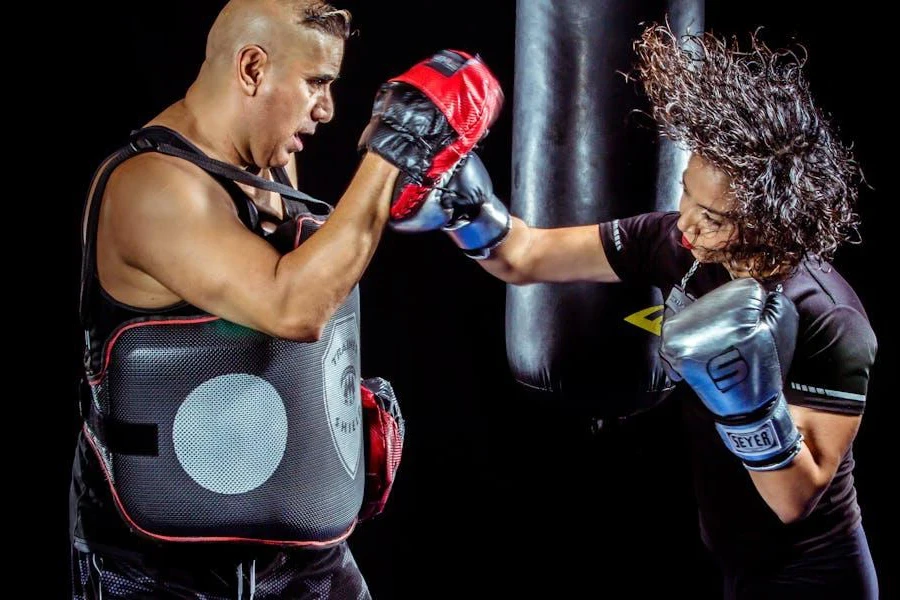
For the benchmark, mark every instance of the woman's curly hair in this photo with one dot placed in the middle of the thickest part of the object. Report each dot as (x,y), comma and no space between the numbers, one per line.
(750,114)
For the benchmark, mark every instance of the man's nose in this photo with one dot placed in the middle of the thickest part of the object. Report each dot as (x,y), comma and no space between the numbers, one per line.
(323,111)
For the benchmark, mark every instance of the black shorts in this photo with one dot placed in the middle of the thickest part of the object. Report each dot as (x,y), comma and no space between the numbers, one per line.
(330,574)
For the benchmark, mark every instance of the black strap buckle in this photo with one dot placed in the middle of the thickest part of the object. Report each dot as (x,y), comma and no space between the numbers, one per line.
(141,143)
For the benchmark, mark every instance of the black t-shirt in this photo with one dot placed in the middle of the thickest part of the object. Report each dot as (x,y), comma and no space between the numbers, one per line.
(835,350)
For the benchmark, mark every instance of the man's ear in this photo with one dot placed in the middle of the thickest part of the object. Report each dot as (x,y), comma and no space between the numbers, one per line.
(251,64)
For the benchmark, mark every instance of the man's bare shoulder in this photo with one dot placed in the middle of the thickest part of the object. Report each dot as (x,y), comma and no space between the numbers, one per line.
(160,183)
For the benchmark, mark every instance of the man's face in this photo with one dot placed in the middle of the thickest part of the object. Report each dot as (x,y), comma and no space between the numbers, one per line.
(296,96)
(705,201)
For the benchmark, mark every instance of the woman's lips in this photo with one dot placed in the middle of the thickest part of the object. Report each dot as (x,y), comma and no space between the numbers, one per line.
(686,243)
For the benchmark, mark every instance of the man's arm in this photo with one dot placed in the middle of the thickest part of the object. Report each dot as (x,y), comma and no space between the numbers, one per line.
(168,232)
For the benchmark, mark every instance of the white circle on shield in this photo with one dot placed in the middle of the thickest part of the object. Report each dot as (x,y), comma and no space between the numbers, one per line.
(230,433)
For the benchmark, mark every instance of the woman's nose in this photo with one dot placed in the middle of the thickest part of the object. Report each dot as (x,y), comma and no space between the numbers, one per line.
(684,223)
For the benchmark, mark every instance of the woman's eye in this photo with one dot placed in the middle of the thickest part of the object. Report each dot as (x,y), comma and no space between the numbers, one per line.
(710,220)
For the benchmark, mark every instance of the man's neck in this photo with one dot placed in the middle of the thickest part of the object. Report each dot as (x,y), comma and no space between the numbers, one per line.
(205,126)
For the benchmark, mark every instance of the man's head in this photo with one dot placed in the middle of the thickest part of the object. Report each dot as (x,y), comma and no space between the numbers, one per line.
(789,185)
(270,64)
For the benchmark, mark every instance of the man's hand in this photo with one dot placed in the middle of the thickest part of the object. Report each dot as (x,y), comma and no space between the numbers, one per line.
(734,347)
(424,121)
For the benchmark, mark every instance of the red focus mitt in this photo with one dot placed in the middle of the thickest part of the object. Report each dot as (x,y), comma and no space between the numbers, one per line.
(423,122)
(384,431)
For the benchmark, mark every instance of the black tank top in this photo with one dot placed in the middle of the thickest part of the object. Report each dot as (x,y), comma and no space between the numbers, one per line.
(95,524)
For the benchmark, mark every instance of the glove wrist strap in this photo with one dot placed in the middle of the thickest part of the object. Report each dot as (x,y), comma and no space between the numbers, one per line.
(487,230)
(764,444)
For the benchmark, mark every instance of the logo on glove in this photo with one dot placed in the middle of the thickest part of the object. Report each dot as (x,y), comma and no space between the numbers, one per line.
(727,369)
(756,441)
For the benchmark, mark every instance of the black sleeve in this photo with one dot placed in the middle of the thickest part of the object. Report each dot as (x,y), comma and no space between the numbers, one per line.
(644,249)
(831,365)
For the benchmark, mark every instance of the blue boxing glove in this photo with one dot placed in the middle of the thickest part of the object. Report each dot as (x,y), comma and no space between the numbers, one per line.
(480,221)
(733,346)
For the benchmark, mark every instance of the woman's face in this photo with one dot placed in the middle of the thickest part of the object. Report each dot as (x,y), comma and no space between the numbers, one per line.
(705,202)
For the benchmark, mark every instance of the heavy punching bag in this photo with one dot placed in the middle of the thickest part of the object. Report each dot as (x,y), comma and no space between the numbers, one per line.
(580,155)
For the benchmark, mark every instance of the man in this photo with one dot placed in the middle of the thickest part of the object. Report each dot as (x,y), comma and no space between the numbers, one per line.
(774,345)
(228,449)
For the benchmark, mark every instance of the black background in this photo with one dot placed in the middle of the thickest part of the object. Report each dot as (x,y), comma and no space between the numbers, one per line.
(500,494)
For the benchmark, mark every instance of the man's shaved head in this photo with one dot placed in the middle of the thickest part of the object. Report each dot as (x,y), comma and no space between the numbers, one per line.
(274,25)
(266,79)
